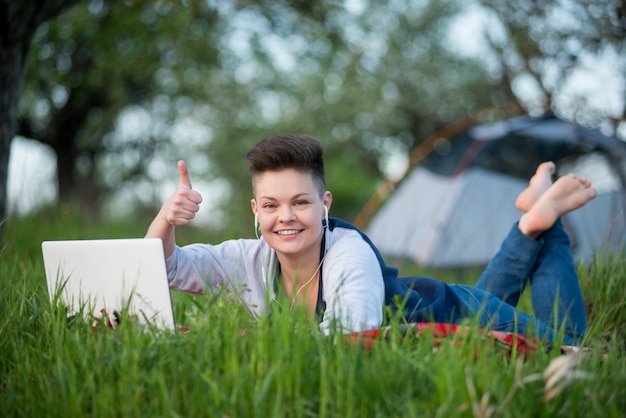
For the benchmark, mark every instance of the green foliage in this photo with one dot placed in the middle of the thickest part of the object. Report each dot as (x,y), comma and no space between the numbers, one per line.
(228,364)
(606,305)
(24,235)
(205,81)
(102,61)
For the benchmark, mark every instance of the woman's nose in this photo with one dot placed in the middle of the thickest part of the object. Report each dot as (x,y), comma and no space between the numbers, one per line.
(286,214)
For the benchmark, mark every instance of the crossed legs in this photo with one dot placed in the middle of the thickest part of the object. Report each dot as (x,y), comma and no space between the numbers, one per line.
(537,250)
(544,202)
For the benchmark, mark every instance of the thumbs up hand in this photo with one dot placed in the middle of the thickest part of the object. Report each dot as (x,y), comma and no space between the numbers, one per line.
(183,205)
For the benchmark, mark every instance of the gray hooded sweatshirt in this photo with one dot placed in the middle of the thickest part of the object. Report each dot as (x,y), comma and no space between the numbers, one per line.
(353,287)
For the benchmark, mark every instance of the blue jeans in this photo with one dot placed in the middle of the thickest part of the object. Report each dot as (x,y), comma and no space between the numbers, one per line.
(547,266)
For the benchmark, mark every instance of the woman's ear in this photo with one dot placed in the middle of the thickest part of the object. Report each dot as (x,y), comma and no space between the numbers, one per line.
(327,199)
(256,218)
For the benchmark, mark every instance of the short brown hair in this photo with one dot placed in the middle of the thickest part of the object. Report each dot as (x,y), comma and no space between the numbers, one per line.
(299,152)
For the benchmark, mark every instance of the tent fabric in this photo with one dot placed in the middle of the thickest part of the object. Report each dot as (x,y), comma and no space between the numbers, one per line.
(598,226)
(455,209)
(461,220)
(516,146)
(438,220)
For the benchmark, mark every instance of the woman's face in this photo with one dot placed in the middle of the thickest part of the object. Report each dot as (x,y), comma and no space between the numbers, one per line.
(290,212)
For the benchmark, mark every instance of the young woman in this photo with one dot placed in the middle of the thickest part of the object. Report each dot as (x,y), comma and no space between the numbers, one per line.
(331,269)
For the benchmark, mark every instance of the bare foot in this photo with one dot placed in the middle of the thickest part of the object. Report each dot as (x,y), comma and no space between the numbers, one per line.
(566,194)
(539,183)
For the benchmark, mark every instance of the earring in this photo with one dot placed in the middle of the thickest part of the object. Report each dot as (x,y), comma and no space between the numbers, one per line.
(256,225)
(326,216)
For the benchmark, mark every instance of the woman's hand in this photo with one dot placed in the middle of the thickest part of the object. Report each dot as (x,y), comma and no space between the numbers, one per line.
(183,205)
(178,209)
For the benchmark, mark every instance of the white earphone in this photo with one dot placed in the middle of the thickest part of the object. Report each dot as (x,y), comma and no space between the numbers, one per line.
(326,215)
(256,225)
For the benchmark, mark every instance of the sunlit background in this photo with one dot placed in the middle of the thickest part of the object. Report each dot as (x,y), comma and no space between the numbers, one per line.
(204,81)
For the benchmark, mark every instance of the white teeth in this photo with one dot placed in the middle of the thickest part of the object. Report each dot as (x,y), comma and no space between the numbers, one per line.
(288,232)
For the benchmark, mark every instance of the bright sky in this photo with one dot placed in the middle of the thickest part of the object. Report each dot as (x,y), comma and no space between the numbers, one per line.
(31,175)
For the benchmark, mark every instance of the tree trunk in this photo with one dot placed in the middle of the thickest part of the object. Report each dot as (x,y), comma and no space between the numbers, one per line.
(18,22)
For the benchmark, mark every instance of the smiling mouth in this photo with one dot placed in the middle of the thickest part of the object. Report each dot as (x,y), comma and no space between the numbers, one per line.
(286,232)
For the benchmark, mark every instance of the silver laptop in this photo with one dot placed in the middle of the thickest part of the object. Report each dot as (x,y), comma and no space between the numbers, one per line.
(110,278)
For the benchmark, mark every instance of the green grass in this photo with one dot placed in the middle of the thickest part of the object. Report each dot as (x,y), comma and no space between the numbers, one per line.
(230,365)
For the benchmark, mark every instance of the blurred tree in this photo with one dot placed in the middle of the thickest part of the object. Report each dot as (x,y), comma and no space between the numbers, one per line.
(107,81)
(114,84)
(18,22)
(121,90)
(371,83)
(548,51)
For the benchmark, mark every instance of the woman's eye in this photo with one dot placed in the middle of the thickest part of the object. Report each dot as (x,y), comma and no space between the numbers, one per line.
(301,202)
(269,206)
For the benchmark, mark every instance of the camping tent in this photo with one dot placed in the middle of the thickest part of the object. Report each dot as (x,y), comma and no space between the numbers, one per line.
(455,209)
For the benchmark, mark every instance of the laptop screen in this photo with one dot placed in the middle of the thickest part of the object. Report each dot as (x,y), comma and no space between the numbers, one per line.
(110,276)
